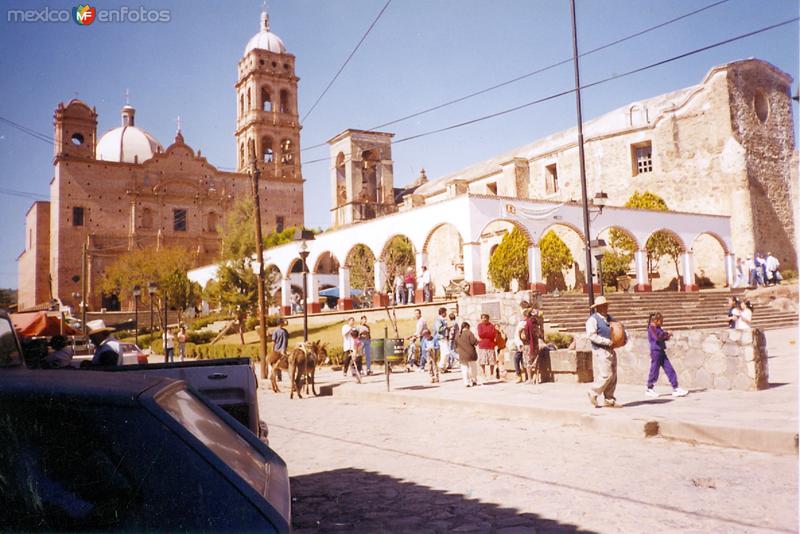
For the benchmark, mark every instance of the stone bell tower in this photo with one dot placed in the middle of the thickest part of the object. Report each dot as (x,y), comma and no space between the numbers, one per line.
(266,107)
(362,179)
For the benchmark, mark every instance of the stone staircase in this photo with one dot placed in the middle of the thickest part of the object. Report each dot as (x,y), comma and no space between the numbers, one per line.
(682,311)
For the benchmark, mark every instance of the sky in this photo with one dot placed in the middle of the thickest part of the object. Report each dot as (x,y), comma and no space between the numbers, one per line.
(420,53)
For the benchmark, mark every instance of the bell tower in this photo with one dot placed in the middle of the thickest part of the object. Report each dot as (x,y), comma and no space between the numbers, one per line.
(75,130)
(266,108)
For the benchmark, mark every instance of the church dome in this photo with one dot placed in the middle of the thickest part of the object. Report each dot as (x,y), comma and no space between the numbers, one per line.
(127,143)
(265,39)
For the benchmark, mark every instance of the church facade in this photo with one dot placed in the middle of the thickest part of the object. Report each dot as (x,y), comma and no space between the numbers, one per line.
(124,190)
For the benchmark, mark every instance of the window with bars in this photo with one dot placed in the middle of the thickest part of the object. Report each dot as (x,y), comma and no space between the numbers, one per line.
(179,220)
(551,180)
(642,158)
(279,223)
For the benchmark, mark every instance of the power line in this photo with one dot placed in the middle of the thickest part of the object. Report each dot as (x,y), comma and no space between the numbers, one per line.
(303,120)
(29,131)
(537,71)
(22,194)
(593,84)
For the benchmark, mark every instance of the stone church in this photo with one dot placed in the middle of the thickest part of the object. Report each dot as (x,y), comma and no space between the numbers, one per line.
(124,190)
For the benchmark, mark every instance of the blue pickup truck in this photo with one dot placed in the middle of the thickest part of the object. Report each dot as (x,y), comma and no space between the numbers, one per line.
(128,451)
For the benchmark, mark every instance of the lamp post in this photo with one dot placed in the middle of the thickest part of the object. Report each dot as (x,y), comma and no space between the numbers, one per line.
(76,295)
(137,292)
(152,287)
(599,250)
(304,254)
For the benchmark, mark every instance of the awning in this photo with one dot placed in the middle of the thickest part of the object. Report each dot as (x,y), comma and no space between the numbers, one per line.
(39,324)
(334,292)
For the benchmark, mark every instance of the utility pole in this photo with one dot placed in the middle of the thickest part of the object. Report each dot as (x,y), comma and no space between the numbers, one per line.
(84,284)
(262,318)
(581,157)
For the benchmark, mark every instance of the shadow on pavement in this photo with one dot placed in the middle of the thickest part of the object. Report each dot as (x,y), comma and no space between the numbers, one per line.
(416,388)
(354,500)
(645,402)
(777,384)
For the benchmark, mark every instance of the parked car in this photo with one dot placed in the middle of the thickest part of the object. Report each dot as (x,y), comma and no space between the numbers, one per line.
(129,353)
(129,452)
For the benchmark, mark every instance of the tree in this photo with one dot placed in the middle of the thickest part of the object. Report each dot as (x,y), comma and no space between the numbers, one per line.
(661,244)
(167,267)
(556,257)
(362,267)
(399,256)
(510,260)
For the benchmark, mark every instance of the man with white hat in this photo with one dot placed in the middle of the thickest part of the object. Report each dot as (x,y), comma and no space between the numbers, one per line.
(604,359)
(100,335)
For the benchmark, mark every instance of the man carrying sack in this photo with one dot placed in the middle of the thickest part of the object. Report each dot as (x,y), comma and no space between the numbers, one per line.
(604,359)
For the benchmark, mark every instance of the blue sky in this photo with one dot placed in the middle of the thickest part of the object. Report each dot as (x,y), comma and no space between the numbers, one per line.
(421,53)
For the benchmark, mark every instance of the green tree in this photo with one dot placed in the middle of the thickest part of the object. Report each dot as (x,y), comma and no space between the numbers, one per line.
(510,260)
(661,244)
(556,257)
(362,267)
(399,256)
(167,267)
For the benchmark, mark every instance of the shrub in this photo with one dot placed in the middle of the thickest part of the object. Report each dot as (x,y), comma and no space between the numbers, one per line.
(559,339)
(198,338)
(207,351)
(510,260)
(789,274)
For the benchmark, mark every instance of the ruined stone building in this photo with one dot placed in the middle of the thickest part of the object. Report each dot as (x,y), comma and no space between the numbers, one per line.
(123,190)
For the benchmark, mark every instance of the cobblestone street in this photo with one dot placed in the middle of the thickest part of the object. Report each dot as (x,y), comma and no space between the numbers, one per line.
(378,468)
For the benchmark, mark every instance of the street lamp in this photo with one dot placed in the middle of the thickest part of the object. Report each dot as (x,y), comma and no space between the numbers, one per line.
(137,292)
(76,295)
(152,287)
(600,200)
(304,235)
(599,249)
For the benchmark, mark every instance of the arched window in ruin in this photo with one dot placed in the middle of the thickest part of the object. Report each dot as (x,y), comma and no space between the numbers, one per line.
(266,149)
(249,99)
(241,105)
(286,151)
(285,101)
(241,155)
(266,101)
(212,222)
(341,174)
(147,218)
(369,176)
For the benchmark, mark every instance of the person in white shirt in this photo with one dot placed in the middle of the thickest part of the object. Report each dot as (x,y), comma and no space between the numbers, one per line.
(745,319)
(425,280)
(421,327)
(773,276)
(348,343)
(750,271)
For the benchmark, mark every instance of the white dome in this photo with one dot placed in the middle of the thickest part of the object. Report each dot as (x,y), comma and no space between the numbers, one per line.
(265,39)
(127,143)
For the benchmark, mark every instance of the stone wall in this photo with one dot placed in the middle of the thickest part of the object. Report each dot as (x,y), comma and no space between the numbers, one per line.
(703,359)
(503,309)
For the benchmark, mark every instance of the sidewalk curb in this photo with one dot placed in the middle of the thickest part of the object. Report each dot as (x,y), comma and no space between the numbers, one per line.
(769,441)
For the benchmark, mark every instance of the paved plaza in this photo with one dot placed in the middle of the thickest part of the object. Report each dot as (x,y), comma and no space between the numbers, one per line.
(518,458)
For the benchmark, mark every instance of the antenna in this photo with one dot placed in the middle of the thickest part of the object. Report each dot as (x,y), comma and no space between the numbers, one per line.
(127,97)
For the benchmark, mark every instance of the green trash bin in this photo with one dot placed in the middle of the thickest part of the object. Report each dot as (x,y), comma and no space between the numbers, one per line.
(377,352)
(393,349)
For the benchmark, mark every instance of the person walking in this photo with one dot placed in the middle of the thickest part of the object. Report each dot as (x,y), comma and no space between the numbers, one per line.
(604,358)
(750,270)
(348,343)
(467,355)
(429,346)
(500,342)
(440,332)
(533,332)
(486,346)
(182,343)
(410,283)
(658,338)
(365,335)
(425,282)
(761,269)
(169,347)
(773,274)
(739,279)
(452,333)
(354,355)
(745,318)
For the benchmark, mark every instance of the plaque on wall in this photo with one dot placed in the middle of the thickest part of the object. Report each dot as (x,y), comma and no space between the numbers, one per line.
(492,308)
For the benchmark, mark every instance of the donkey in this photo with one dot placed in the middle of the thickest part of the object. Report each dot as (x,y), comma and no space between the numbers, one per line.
(298,360)
(318,353)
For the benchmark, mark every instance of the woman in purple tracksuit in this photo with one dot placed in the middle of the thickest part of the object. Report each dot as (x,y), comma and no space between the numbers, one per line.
(658,357)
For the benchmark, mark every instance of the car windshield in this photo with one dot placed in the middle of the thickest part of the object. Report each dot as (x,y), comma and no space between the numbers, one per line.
(128,347)
(218,436)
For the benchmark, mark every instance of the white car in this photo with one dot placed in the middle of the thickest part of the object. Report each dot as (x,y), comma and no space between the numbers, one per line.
(129,353)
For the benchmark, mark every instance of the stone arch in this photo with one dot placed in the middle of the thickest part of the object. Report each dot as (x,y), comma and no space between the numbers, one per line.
(296,266)
(444,247)
(492,234)
(360,259)
(522,228)
(285,106)
(607,230)
(667,276)
(613,266)
(671,233)
(370,182)
(709,251)
(266,99)
(397,266)
(267,149)
(389,240)
(572,277)
(326,263)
